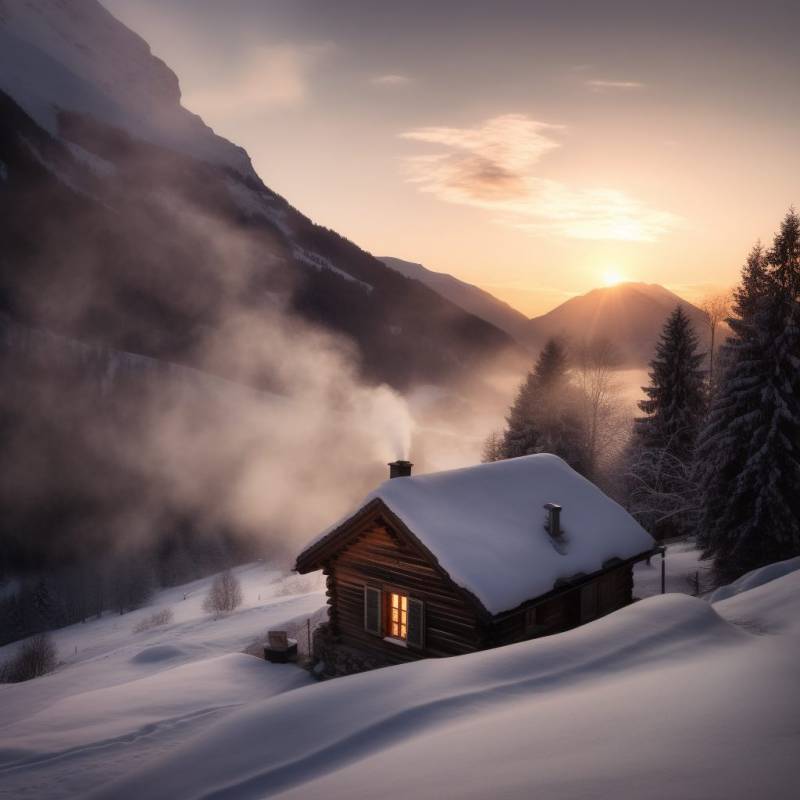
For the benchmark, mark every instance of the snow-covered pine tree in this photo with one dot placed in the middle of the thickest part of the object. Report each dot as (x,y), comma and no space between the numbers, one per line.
(662,445)
(748,455)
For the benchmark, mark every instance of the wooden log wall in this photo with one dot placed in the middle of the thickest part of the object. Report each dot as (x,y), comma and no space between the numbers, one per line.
(561,613)
(380,558)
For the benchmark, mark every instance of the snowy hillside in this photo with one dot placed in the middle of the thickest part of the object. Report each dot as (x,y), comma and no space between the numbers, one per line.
(93,137)
(121,697)
(64,56)
(590,713)
(180,713)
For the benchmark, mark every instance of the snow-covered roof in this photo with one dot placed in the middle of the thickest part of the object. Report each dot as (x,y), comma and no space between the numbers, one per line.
(486,526)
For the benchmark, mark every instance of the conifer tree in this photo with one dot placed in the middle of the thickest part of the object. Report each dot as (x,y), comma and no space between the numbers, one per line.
(748,455)
(675,398)
(524,434)
(543,417)
(664,438)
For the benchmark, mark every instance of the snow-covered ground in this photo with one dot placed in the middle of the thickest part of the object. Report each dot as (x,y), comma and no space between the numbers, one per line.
(122,698)
(670,697)
(681,567)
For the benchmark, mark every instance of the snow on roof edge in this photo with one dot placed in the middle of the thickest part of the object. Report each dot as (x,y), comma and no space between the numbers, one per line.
(484,525)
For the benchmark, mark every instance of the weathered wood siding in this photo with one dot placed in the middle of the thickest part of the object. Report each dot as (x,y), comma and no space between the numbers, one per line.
(379,557)
(562,612)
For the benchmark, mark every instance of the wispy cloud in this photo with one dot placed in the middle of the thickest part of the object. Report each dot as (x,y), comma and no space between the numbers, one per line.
(614,86)
(266,78)
(493,166)
(390,80)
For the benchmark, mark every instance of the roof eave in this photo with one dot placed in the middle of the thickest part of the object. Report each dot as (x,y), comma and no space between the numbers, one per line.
(315,556)
(571,584)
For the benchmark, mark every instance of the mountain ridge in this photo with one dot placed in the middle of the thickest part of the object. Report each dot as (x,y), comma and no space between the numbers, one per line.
(630,315)
(93,120)
(466,295)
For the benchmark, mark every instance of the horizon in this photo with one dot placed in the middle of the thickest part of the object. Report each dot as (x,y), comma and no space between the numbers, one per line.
(609,282)
(519,153)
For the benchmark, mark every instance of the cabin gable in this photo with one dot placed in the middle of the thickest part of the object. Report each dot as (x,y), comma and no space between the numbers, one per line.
(380,565)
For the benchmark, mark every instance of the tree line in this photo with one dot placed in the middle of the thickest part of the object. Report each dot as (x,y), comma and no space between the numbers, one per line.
(715,453)
(119,582)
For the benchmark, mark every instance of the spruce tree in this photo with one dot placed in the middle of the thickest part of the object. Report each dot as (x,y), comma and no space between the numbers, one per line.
(544,416)
(664,438)
(522,435)
(748,455)
(675,397)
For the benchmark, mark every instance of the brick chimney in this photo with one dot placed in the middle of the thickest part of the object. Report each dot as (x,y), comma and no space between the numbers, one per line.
(400,469)
(553,520)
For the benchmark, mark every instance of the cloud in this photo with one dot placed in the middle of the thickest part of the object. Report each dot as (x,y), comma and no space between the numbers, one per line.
(265,79)
(390,80)
(613,86)
(493,166)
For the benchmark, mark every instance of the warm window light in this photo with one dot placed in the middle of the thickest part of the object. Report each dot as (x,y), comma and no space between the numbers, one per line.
(398,616)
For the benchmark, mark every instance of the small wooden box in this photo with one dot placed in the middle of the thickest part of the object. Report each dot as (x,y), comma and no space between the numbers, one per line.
(280,649)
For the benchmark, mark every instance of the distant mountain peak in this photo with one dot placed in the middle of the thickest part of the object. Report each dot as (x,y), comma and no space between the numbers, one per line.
(630,315)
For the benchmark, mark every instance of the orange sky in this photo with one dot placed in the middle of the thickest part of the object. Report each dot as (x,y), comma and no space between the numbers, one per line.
(530,148)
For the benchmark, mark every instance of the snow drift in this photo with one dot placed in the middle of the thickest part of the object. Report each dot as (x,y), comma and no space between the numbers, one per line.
(667,697)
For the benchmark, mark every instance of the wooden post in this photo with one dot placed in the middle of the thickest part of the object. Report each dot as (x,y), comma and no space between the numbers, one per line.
(308,632)
(663,570)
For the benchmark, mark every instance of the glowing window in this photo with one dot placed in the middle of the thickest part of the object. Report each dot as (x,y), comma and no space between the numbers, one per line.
(398,616)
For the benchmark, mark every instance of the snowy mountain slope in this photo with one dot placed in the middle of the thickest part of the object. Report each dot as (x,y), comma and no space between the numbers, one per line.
(78,57)
(121,697)
(589,713)
(471,298)
(99,152)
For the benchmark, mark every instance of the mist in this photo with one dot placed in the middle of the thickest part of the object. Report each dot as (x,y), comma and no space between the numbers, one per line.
(258,428)
(193,373)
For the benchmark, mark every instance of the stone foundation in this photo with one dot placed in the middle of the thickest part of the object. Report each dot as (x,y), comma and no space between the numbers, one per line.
(332,659)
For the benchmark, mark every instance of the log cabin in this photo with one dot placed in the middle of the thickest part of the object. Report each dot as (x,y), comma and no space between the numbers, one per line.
(468,559)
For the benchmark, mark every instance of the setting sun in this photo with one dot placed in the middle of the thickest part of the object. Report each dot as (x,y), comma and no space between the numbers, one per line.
(612,277)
